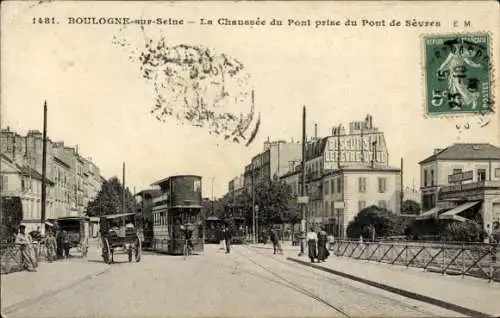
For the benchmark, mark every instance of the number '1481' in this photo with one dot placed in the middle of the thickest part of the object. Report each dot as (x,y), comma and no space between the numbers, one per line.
(46,20)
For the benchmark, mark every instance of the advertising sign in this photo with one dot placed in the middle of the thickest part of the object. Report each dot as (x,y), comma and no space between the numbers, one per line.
(355,148)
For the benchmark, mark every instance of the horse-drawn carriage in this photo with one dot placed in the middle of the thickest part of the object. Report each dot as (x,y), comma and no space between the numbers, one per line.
(77,229)
(119,234)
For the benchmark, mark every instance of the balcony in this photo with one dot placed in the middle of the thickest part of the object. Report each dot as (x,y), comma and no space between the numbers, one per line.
(468,189)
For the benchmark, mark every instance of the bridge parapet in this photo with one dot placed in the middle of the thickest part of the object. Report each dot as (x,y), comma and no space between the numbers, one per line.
(455,258)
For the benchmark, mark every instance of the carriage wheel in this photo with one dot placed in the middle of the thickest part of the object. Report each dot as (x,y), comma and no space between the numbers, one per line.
(106,251)
(138,250)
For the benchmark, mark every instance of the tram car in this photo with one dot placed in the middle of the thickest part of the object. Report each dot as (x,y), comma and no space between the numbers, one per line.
(144,208)
(178,205)
(213,230)
(236,221)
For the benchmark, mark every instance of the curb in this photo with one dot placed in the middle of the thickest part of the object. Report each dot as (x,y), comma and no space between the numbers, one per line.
(28,302)
(401,292)
(270,248)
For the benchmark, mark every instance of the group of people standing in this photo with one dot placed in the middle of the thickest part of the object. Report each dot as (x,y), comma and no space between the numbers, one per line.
(317,245)
(56,242)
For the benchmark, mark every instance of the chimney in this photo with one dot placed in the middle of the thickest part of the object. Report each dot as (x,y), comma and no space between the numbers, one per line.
(315,130)
(437,150)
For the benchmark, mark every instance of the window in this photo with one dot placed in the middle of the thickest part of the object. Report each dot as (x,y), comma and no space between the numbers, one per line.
(481,174)
(425,178)
(361,184)
(332,186)
(4,183)
(382,204)
(23,186)
(326,187)
(456,171)
(381,185)
(497,172)
(432,177)
(327,208)
(361,205)
(339,185)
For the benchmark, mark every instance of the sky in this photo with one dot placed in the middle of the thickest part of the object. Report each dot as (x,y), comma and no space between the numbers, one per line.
(98,100)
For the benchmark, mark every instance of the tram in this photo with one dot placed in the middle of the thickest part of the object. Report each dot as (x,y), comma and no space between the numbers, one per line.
(236,221)
(144,200)
(178,205)
(213,230)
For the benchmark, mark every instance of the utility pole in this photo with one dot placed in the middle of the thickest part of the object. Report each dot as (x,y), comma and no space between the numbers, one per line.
(123,189)
(44,166)
(213,178)
(401,195)
(254,216)
(303,184)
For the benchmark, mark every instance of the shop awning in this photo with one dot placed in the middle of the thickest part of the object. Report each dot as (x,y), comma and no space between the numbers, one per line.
(429,214)
(452,214)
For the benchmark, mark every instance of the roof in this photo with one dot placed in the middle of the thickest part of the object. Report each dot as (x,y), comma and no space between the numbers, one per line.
(30,172)
(61,162)
(173,177)
(362,169)
(316,148)
(466,151)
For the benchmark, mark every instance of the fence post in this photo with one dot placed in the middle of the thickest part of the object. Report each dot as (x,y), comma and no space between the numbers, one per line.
(463,260)
(444,260)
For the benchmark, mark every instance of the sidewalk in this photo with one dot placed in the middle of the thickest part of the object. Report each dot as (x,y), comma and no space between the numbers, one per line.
(22,288)
(468,295)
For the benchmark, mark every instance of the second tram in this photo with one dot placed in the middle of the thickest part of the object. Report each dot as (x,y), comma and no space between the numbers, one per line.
(213,230)
(178,205)
(236,221)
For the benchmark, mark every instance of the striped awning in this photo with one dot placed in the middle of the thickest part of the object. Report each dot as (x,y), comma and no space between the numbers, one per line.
(452,214)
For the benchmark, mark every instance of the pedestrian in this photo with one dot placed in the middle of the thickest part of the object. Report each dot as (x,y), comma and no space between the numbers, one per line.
(51,245)
(322,250)
(27,254)
(312,239)
(276,242)
(227,239)
(65,243)
(60,244)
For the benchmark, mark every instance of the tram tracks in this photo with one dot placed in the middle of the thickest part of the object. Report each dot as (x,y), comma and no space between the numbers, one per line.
(295,286)
(308,274)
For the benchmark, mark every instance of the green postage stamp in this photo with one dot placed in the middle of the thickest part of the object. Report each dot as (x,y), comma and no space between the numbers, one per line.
(458,77)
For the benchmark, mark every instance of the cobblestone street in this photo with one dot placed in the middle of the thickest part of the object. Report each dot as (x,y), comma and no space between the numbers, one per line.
(247,282)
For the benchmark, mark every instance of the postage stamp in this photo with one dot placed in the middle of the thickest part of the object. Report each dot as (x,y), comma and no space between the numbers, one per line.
(458,74)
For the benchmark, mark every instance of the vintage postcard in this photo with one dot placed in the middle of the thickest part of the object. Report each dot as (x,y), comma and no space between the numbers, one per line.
(250,159)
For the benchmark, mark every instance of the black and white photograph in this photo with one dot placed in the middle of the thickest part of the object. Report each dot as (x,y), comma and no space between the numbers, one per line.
(249,159)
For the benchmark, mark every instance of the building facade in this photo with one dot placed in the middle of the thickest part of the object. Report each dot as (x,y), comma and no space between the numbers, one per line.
(462,180)
(351,189)
(74,180)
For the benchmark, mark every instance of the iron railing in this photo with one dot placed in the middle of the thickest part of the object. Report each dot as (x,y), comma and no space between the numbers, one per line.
(454,258)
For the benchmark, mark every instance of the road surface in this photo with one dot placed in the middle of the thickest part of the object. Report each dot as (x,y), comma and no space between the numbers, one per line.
(246,282)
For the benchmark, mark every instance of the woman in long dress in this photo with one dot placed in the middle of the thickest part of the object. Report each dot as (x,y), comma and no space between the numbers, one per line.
(312,239)
(27,253)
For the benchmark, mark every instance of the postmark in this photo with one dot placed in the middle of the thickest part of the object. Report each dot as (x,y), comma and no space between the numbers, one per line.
(198,86)
(458,74)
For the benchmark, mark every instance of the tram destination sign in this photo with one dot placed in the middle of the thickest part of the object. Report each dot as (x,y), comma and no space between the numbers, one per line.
(461,177)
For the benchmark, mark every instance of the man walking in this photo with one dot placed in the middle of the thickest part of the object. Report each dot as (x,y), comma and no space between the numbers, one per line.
(275,241)
(227,239)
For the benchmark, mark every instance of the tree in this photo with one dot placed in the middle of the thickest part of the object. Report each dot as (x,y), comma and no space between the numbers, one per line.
(372,221)
(109,200)
(274,201)
(410,207)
